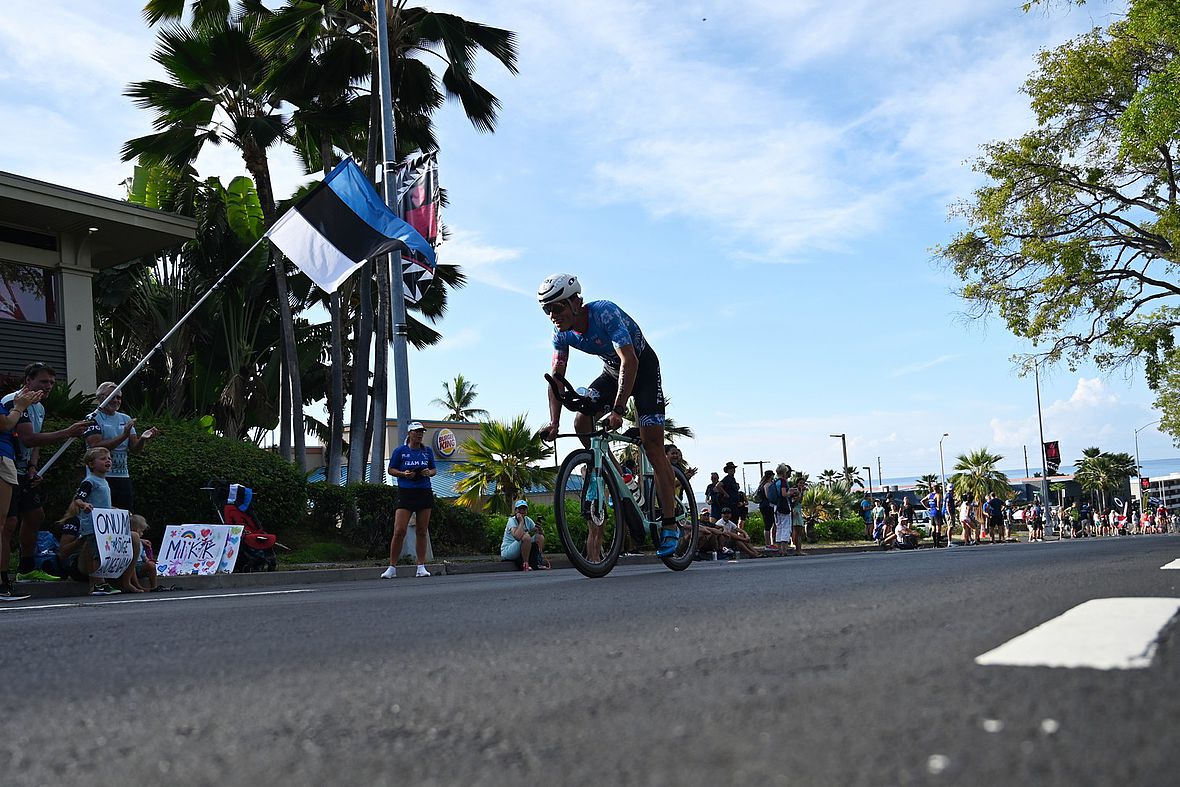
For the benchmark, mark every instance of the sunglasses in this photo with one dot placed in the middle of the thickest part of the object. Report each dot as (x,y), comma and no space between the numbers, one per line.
(554,308)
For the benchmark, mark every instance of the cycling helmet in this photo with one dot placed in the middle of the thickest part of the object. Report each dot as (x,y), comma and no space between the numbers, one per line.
(558,287)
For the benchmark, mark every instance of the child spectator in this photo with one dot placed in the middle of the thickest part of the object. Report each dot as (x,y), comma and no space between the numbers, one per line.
(145,558)
(93,492)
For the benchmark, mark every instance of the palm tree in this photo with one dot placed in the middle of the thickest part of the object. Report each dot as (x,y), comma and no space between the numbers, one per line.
(507,456)
(978,476)
(214,93)
(828,477)
(1102,472)
(852,477)
(457,400)
(823,502)
(925,485)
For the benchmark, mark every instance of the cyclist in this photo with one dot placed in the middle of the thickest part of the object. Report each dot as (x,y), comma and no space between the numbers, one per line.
(630,369)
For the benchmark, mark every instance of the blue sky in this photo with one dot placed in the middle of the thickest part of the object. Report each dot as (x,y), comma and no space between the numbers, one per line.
(759,184)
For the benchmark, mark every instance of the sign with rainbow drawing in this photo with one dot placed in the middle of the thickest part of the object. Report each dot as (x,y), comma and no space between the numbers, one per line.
(198,549)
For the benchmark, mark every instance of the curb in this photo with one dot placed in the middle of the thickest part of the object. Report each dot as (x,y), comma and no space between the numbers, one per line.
(315,576)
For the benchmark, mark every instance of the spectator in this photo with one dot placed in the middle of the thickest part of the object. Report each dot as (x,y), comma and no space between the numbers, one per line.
(735,535)
(936,509)
(878,514)
(780,493)
(523,541)
(766,510)
(866,513)
(26,511)
(1036,525)
(994,515)
(905,514)
(115,431)
(710,538)
(412,464)
(742,512)
(145,558)
(906,537)
(711,492)
(968,521)
(70,544)
(725,494)
(11,411)
(93,493)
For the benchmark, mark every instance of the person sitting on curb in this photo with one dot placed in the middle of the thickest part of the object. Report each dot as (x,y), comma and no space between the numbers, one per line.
(735,535)
(523,540)
(907,537)
(710,538)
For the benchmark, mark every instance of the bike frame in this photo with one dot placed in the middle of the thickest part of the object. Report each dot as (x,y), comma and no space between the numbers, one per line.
(604,458)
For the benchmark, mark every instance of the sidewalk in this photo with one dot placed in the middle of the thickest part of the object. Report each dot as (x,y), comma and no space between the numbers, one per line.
(320,573)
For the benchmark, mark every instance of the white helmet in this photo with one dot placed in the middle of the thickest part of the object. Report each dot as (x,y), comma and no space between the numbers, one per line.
(558,287)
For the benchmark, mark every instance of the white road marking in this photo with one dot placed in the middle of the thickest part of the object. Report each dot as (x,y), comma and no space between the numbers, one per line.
(154,599)
(1104,633)
(1174,564)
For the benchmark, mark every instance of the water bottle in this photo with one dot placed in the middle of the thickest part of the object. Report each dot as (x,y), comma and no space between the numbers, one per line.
(632,482)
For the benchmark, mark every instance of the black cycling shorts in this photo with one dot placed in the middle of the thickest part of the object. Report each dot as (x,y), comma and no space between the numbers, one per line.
(648,391)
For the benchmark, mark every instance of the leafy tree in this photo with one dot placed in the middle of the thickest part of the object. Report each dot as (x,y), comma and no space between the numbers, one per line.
(978,476)
(828,477)
(457,401)
(925,484)
(214,93)
(506,456)
(1100,472)
(1073,240)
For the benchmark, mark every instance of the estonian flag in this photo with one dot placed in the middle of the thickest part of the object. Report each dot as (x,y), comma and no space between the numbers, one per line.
(340,224)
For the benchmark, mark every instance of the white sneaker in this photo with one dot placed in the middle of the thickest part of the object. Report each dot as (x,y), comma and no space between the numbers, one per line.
(422,572)
(390,573)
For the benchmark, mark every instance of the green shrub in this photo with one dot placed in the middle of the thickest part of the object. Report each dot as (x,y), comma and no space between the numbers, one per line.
(852,529)
(457,530)
(329,508)
(372,528)
(169,473)
(322,552)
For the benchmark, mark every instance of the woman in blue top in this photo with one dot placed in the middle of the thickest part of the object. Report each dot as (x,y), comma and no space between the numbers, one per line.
(11,412)
(412,465)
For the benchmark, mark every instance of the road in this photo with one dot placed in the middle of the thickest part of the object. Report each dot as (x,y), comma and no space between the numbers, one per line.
(837,670)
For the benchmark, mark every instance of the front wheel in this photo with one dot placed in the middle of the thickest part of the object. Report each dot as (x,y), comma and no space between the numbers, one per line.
(587,508)
(686,518)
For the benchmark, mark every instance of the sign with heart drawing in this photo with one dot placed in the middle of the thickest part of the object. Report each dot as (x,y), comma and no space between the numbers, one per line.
(198,549)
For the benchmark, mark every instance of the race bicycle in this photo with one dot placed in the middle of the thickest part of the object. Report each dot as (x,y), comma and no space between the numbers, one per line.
(596,502)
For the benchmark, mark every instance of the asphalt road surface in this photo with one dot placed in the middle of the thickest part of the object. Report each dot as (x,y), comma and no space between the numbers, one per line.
(837,670)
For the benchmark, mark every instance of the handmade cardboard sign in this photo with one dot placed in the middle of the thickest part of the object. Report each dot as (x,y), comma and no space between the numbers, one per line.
(112,534)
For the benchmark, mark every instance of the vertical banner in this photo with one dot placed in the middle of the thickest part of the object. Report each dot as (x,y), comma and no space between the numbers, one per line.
(1052,457)
(419,198)
(112,535)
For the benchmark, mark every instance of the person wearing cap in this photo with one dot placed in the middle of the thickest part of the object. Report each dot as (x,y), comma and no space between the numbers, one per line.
(412,464)
(523,541)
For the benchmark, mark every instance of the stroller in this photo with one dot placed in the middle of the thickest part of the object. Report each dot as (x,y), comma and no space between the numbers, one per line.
(257,552)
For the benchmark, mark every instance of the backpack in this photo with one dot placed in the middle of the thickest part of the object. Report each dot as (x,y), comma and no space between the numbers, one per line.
(759,495)
(781,503)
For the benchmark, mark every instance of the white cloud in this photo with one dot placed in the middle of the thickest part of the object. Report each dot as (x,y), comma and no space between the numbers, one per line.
(483,262)
(921,366)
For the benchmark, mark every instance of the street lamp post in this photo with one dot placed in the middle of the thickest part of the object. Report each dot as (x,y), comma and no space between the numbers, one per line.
(870,471)
(1138,469)
(843,445)
(1041,432)
(941,465)
(760,463)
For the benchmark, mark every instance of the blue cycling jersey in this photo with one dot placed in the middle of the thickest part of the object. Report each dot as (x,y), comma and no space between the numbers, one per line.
(609,329)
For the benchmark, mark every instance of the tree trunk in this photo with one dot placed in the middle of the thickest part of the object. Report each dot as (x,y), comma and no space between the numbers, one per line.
(290,413)
(336,391)
(362,339)
(380,369)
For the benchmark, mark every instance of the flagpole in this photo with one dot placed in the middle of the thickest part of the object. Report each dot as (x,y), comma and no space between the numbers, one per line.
(401,363)
(143,362)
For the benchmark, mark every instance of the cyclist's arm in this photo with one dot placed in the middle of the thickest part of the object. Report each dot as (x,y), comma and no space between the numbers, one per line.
(558,372)
(628,366)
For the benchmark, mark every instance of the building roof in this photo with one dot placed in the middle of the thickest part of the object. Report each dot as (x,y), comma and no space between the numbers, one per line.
(119,231)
